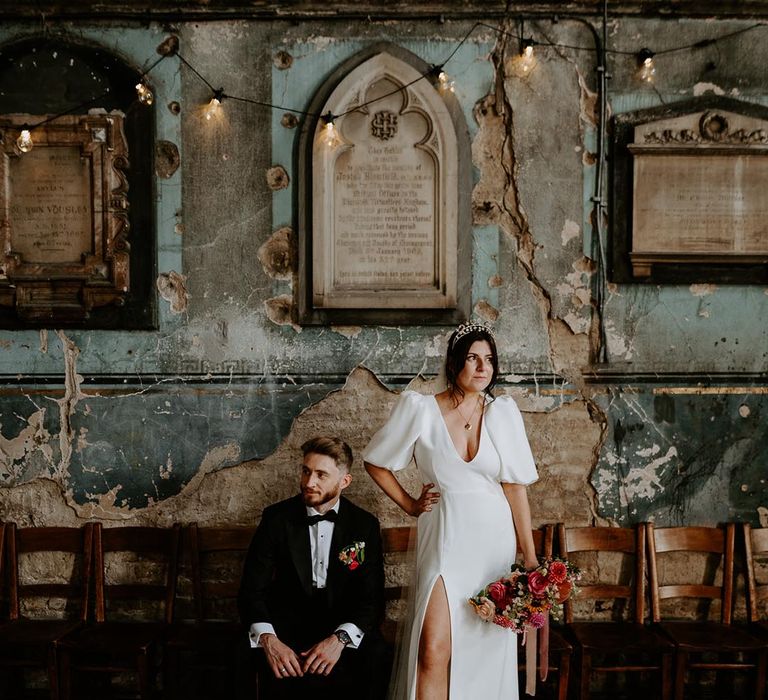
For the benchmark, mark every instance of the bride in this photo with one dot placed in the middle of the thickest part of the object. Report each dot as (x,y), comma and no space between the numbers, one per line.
(474,459)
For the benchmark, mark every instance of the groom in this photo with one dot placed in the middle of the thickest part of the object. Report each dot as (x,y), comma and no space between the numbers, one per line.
(312,592)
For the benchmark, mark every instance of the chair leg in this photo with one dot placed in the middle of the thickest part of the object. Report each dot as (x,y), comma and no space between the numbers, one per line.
(142,667)
(65,674)
(53,672)
(760,674)
(681,664)
(171,672)
(585,675)
(562,680)
(666,676)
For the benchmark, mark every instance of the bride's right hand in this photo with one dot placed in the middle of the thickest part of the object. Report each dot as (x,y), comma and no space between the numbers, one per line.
(424,502)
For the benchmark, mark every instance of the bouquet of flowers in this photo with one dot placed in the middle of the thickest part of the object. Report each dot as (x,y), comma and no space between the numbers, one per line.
(523,598)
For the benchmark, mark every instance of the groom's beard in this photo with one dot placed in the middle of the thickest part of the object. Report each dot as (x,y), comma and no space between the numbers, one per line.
(313,499)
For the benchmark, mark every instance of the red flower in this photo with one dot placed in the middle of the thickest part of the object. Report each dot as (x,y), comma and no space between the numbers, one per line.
(353,565)
(498,593)
(537,583)
(564,591)
(353,554)
(557,572)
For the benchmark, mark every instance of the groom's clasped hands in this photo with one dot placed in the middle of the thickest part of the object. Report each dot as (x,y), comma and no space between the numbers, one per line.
(318,659)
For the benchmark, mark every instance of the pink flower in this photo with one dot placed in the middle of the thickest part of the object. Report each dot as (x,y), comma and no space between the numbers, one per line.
(486,611)
(498,593)
(557,572)
(536,620)
(537,583)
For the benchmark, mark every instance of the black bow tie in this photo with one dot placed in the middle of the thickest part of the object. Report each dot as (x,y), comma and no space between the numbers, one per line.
(330,515)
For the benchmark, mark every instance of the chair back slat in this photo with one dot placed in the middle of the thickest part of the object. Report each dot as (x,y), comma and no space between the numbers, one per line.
(204,543)
(396,539)
(755,544)
(701,540)
(629,541)
(161,543)
(601,591)
(34,540)
(689,590)
(689,539)
(603,539)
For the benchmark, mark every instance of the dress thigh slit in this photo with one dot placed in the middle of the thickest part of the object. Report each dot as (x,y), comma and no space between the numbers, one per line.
(435,590)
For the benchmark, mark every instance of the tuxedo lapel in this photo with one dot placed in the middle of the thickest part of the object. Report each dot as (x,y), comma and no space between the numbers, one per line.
(299,545)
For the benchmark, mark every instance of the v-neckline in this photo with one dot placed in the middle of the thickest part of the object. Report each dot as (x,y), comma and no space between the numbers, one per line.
(448,432)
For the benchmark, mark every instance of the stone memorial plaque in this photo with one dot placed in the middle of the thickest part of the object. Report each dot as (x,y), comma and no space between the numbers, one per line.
(385,197)
(701,204)
(700,191)
(384,216)
(50,205)
(64,217)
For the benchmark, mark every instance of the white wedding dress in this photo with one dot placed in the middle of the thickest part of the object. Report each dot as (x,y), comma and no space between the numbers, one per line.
(468,538)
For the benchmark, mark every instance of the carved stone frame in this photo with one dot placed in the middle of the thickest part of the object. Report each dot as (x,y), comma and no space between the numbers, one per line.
(56,292)
(460,255)
(675,268)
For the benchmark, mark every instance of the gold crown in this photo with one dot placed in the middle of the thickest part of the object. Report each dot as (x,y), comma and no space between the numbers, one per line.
(469,327)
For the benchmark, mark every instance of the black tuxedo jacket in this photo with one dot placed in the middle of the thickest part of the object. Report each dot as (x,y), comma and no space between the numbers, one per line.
(277,577)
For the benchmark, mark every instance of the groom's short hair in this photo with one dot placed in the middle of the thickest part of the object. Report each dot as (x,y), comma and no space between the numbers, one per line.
(332,447)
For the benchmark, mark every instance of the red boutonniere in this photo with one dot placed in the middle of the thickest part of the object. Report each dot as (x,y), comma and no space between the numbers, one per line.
(353,555)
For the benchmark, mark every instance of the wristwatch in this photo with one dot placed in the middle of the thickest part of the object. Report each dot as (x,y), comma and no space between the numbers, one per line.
(343,637)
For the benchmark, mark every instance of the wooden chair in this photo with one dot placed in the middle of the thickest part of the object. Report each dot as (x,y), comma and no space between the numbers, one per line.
(394,540)
(621,646)
(756,543)
(733,648)
(127,645)
(208,642)
(28,642)
(560,650)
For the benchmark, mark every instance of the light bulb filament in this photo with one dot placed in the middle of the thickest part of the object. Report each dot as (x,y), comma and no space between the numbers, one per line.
(646,66)
(24,143)
(446,84)
(144,93)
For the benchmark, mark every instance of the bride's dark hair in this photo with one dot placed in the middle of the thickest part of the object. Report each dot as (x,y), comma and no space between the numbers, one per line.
(456,357)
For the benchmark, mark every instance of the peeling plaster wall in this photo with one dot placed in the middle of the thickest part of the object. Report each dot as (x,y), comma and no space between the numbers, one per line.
(202,419)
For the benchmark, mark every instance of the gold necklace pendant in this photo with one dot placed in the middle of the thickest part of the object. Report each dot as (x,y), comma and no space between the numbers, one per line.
(468,421)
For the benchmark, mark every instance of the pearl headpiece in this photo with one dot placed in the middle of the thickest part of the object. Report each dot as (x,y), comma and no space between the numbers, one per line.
(469,327)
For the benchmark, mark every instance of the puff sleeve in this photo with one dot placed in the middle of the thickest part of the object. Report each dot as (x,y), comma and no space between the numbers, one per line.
(507,432)
(392,446)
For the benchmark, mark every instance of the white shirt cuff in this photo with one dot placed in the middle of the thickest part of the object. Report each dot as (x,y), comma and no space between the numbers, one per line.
(354,632)
(257,629)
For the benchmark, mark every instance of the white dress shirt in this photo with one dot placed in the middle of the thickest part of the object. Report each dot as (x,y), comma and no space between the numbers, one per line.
(320,535)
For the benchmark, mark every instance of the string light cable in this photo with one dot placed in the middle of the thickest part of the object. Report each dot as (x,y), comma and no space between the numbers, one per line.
(436,72)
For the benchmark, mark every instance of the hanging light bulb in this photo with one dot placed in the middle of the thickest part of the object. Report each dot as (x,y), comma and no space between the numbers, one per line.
(330,135)
(527,60)
(144,93)
(446,84)
(214,106)
(24,143)
(523,63)
(646,68)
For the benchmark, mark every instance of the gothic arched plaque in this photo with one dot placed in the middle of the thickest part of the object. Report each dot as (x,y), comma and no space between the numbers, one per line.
(385,223)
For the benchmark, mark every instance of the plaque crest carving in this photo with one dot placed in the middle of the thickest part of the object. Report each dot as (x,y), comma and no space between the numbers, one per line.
(383,237)
(699,198)
(384,125)
(64,217)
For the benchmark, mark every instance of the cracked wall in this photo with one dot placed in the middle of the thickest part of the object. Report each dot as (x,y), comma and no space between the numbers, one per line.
(202,419)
